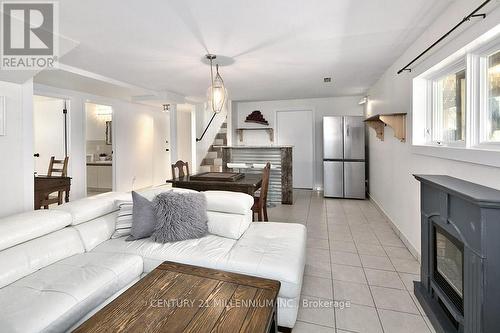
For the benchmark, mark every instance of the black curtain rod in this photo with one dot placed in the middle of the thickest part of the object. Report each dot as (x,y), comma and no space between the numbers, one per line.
(466,19)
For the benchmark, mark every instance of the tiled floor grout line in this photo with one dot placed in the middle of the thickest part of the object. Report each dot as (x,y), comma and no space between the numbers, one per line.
(399,276)
(367,282)
(331,270)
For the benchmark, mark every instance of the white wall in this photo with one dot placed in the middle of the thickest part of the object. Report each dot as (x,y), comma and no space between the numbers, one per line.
(16,149)
(137,163)
(392,163)
(320,106)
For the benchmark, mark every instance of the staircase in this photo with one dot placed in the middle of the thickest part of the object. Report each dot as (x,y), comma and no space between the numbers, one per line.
(213,159)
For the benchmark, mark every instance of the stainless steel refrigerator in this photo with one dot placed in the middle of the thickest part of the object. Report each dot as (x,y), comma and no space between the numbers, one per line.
(344,157)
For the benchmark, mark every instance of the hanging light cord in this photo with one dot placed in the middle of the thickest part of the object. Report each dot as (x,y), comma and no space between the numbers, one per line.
(212,102)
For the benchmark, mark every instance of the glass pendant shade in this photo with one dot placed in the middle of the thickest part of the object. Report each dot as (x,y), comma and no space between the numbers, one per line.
(217,93)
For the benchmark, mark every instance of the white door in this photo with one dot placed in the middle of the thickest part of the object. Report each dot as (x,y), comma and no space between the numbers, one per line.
(296,128)
(48,126)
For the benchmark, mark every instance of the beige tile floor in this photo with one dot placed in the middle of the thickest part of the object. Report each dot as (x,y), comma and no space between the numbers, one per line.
(353,256)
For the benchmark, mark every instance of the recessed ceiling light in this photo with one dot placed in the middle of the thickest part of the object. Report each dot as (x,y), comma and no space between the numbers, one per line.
(327,79)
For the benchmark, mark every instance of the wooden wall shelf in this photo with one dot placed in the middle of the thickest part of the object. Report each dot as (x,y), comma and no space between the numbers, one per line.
(269,130)
(395,120)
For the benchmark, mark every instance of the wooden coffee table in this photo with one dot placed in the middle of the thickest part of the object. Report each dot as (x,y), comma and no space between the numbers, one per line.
(183,298)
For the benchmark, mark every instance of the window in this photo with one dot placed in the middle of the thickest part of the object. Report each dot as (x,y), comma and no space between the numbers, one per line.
(492,116)
(456,104)
(448,110)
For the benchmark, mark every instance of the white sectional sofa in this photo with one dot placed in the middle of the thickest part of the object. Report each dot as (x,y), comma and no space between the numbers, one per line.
(60,266)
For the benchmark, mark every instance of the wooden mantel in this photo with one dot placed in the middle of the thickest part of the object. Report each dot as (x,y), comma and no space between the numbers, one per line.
(395,120)
(268,129)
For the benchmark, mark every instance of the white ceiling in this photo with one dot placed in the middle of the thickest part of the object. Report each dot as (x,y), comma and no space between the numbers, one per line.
(281,48)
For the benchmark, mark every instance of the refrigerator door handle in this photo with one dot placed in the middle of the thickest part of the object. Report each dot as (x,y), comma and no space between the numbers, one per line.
(347,130)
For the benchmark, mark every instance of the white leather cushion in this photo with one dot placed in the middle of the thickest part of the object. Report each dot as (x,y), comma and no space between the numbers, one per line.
(271,250)
(207,251)
(96,231)
(228,225)
(229,202)
(56,297)
(20,228)
(21,260)
(89,208)
(150,193)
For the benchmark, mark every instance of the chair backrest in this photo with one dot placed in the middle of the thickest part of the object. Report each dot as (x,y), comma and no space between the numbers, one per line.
(179,165)
(265,183)
(58,166)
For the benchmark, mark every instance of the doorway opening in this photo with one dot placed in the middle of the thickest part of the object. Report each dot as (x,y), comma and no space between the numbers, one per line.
(99,148)
(50,131)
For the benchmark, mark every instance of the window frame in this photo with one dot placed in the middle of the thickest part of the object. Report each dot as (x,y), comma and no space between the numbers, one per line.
(432,103)
(481,67)
(474,58)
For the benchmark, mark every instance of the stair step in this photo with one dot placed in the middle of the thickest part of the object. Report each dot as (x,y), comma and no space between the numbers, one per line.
(205,168)
(208,161)
(218,161)
(221,136)
(215,168)
(219,142)
(212,154)
(214,149)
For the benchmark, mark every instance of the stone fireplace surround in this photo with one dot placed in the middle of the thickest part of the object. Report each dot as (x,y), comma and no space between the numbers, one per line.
(470,213)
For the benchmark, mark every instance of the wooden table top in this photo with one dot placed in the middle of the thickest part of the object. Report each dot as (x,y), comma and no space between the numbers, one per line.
(183,298)
(248,179)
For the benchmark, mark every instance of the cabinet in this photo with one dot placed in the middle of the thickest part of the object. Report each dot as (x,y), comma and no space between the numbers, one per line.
(100,177)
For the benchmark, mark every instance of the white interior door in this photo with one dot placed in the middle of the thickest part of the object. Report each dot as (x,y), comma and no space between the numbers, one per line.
(48,126)
(296,128)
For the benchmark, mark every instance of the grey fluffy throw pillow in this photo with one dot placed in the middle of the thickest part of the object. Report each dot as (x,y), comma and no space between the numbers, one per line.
(179,216)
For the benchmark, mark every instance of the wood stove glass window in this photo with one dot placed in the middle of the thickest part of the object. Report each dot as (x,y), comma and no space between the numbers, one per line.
(449,262)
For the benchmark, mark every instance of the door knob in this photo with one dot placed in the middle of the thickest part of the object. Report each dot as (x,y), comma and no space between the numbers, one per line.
(36,155)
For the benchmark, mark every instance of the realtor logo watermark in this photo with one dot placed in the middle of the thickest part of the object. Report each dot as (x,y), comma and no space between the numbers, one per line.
(29,35)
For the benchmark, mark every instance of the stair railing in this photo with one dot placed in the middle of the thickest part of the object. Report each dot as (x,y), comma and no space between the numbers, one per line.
(206,128)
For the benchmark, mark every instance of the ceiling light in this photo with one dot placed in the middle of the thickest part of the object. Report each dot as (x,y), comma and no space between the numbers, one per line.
(217,93)
(363,100)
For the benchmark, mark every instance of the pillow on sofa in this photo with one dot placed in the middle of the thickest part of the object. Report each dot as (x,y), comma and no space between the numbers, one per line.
(144,219)
(179,216)
(124,219)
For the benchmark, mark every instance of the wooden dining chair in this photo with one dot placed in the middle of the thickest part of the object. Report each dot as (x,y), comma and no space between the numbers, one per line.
(56,168)
(179,165)
(260,202)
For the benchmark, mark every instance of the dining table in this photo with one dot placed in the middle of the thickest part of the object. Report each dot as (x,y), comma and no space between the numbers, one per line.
(220,181)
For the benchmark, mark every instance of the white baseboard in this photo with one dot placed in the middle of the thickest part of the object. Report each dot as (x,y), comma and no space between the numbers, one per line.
(398,232)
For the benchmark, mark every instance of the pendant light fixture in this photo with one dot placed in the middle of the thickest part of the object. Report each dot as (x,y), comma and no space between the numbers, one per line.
(217,93)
